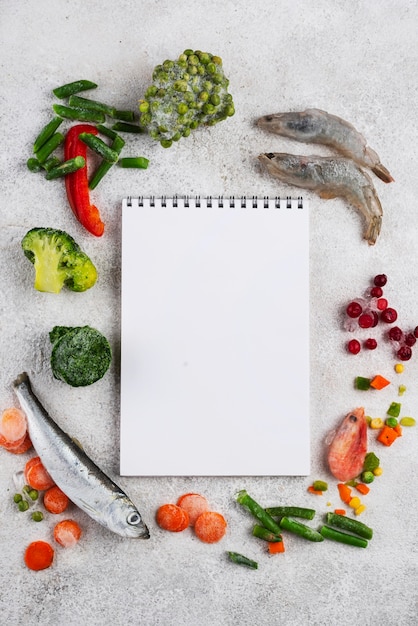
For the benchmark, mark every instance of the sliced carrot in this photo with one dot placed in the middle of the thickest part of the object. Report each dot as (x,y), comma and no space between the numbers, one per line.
(23,447)
(173,518)
(55,500)
(398,430)
(345,492)
(13,424)
(67,533)
(36,475)
(210,527)
(379,382)
(387,435)
(194,504)
(317,492)
(11,445)
(362,488)
(39,555)
(276,547)
(340,511)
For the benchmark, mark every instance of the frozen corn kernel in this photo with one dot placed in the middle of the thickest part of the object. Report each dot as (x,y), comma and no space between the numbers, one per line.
(359,510)
(401,390)
(399,368)
(376,423)
(407,421)
(378,471)
(354,502)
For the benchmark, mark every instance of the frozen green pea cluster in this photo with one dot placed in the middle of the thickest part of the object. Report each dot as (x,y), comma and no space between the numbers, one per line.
(185,94)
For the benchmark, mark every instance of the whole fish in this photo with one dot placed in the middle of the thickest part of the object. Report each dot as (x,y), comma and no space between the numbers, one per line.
(317,126)
(74,472)
(330,177)
(348,447)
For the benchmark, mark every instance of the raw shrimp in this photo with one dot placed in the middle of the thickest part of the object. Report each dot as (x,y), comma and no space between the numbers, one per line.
(316,126)
(330,177)
(348,447)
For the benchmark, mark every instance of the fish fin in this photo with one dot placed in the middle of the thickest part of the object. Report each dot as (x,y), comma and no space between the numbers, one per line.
(382,173)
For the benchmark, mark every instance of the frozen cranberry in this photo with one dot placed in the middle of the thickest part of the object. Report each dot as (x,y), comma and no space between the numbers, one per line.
(395,333)
(380,280)
(353,346)
(375,318)
(382,304)
(370,344)
(366,320)
(376,292)
(404,353)
(410,339)
(354,309)
(416,331)
(389,315)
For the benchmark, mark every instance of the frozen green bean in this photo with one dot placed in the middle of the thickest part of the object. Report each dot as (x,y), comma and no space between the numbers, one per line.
(341,537)
(291,511)
(67,90)
(236,557)
(300,529)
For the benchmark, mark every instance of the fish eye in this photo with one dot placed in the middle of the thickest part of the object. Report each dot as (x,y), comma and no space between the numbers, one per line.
(133,519)
(353,418)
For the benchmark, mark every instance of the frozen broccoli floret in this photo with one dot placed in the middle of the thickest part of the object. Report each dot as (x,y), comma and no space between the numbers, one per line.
(58,261)
(184,95)
(80,355)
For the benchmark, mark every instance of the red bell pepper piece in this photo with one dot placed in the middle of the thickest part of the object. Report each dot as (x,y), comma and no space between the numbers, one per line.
(76,184)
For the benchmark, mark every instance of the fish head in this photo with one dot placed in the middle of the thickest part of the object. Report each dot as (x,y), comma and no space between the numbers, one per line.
(123,518)
(295,125)
(286,167)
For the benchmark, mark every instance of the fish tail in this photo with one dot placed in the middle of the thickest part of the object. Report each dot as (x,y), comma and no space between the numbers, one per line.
(382,173)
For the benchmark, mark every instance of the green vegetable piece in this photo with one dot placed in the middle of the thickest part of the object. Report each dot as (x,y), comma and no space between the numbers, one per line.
(136,162)
(17,498)
(37,516)
(300,529)
(104,167)
(391,422)
(99,146)
(267,535)
(394,410)
(49,147)
(371,462)
(240,559)
(46,133)
(125,116)
(362,383)
(367,477)
(58,261)
(407,421)
(291,511)
(68,167)
(320,485)
(349,524)
(22,505)
(125,127)
(341,537)
(82,115)
(33,494)
(259,513)
(33,164)
(108,132)
(80,355)
(67,90)
(51,162)
(90,105)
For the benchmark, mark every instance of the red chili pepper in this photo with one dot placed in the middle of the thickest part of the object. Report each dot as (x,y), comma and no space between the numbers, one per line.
(76,184)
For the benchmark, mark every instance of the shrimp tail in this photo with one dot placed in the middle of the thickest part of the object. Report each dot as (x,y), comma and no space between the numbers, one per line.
(382,173)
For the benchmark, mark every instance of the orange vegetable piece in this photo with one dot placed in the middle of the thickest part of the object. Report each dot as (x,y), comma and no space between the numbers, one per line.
(210,527)
(362,488)
(173,518)
(194,504)
(345,492)
(398,430)
(55,500)
(340,511)
(317,492)
(22,447)
(36,475)
(13,425)
(379,382)
(387,435)
(276,547)
(67,533)
(39,555)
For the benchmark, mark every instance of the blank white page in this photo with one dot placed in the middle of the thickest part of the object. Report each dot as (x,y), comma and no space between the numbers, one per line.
(215,337)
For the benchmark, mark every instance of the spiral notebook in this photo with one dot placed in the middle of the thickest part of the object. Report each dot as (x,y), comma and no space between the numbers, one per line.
(215,337)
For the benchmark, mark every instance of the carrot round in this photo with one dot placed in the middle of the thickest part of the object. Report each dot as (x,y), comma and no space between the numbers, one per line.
(67,533)
(36,475)
(276,547)
(55,500)
(173,518)
(13,425)
(39,555)
(210,526)
(194,504)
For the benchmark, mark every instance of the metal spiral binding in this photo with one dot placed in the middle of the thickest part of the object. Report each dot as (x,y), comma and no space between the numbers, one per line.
(243,202)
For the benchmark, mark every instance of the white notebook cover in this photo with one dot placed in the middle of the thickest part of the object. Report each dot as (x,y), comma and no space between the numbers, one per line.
(215,338)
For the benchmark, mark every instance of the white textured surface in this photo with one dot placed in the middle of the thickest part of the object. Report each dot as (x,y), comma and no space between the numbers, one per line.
(357,60)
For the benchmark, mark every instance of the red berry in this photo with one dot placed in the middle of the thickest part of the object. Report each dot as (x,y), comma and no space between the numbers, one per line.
(376,292)
(354,309)
(395,333)
(366,320)
(380,280)
(382,304)
(410,340)
(416,332)
(370,344)
(375,318)
(353,346)
(389,315)
(404,353)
